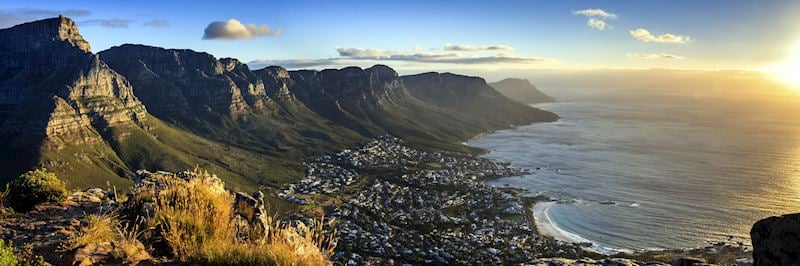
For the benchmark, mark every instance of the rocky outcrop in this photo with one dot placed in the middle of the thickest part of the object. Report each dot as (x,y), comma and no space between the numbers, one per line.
(776,240)
(277,82)
(52,86)
(521,90)
(175,82)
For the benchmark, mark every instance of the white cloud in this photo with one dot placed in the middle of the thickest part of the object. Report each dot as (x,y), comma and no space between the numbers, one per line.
(597,24)
(655,56)
(416,55)
(464,47)
(597,18)
(645,36)
(595,13)
(233,29)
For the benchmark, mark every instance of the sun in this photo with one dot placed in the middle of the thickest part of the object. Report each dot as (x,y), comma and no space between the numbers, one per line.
(789,70)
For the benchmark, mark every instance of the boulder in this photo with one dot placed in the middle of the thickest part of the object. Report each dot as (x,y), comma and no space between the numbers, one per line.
(776,240)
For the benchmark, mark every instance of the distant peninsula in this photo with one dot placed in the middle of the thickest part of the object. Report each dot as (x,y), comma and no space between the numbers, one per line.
(521,90)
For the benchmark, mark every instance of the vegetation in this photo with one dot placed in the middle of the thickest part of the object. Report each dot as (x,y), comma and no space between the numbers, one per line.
(7,256)
(194,220)
(99,228)
(10,256)
(34,187)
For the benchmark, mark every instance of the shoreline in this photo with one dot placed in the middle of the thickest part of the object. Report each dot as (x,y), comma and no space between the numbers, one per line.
(546,227)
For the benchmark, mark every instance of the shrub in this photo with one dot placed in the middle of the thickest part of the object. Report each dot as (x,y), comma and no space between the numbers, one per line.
(34,187)
(99,228)
(194,220)
(7,256)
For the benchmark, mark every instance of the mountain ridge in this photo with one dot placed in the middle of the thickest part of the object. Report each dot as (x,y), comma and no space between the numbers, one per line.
(136,107)
(521,90)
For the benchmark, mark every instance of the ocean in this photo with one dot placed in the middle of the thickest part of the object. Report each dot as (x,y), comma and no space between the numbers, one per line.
(638,171)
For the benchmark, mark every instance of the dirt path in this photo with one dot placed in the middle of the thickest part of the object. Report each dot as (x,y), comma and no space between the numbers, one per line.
(48,227)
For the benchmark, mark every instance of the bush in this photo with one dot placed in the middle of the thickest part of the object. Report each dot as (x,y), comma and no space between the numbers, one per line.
(34,187)
(99,228)
(7,256)
(194,221)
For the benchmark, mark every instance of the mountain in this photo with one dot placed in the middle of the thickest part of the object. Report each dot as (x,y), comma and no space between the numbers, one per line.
(64,108)
(471,96)
(521,90)
(223,100)
(96,118)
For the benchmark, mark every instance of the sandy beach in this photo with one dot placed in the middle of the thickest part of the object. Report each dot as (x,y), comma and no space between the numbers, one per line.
(546,227)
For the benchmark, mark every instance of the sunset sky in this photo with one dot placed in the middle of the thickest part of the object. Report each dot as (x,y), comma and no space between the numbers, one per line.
(474,36)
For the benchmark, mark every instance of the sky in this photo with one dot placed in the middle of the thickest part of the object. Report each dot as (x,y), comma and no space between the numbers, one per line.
(468,36)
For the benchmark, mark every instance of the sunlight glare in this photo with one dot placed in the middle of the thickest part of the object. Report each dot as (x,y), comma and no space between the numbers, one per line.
(789,70)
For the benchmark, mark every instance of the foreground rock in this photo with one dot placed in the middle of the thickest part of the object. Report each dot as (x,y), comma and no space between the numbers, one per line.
(776,240)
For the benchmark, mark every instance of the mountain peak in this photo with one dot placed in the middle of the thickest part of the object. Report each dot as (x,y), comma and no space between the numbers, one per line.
(53,29)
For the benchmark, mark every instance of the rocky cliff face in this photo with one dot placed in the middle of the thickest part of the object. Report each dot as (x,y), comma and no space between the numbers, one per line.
(521,90)
(53,86)
(776,240)
(184,82)
(276,82)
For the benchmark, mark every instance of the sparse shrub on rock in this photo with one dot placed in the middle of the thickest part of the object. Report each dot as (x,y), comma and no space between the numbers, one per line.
(194,219)
(35,187)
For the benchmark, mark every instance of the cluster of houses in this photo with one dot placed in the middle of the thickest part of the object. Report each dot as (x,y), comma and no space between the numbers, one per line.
(423,208)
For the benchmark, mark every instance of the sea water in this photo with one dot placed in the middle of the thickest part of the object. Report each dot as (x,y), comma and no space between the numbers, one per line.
(651,171)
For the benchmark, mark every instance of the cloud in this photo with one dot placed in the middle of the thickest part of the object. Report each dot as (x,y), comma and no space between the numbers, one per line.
(655,56)
(233,29)
(157,23)
(470,48)
(295,63)
(109,23)
(596,17)
(645,36)
(11,17)
(416,55)
(597,24)
(595,13)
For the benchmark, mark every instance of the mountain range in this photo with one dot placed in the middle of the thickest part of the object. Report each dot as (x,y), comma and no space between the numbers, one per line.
(96,118)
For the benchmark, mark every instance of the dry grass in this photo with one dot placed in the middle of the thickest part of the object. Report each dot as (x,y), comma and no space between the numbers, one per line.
(107,228)
(194,219)
(99,228)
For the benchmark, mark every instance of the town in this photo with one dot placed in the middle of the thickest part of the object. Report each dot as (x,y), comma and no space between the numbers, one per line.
(404,205)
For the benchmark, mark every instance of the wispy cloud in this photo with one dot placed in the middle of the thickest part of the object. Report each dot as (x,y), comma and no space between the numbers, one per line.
(11,17)
(596,13)
(157,23)
(109,23)
(597,18)
(417,55)
(295,63)
(597,24)
(645,36)
(655,56)
(233,29)
(471,48)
